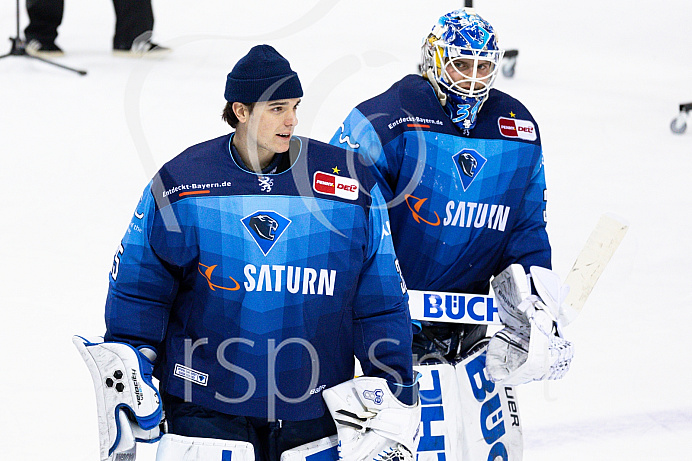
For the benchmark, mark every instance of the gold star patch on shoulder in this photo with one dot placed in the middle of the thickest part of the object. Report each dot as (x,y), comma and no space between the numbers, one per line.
(335,170)
(512,114)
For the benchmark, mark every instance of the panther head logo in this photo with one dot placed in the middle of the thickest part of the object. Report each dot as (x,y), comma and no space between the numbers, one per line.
(476,33)
(468,164)
(264,226)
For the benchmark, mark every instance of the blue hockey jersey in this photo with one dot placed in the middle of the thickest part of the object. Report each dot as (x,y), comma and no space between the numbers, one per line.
(257,290)
(463,205)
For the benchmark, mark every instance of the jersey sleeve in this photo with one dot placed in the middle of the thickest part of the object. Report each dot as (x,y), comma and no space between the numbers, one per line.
(142,286)
(528,244)
(359,135)
(382,323)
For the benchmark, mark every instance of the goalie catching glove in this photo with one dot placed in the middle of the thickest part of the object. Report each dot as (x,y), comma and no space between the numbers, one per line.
(531,346)
(128,405)
(371,423)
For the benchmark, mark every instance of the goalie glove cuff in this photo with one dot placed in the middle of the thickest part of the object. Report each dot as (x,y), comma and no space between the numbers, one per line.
(531,347)
(513,358)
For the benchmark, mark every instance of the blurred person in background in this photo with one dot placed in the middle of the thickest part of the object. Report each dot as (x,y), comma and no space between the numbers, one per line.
(134,24)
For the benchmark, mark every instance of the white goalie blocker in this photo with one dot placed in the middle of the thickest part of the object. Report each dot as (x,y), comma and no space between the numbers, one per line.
(371,422)
(128,405)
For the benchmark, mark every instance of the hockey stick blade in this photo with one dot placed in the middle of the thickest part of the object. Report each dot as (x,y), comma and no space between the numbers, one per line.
(589,265)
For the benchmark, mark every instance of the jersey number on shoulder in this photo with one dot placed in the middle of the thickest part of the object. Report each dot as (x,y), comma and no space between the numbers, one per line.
(401,276)
(116,262)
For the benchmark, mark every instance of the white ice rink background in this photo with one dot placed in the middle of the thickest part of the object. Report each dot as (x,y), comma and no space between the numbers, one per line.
(603,80)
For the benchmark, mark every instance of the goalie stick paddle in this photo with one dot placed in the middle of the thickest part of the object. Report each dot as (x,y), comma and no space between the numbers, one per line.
(592,260)
(479,309)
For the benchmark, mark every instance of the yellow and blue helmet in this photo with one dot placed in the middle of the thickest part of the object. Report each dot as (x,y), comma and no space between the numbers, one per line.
(462,54)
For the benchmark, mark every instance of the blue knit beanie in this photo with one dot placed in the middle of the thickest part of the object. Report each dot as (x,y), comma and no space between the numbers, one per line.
(262,75)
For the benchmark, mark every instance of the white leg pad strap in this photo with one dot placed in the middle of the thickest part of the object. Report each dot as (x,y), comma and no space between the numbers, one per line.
(324,449)
(174,447)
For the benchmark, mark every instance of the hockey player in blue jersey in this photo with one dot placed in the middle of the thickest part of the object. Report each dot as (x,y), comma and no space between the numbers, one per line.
(253,271)
(461,168)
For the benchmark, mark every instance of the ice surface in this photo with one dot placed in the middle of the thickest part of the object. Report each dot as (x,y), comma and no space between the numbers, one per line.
(603,80)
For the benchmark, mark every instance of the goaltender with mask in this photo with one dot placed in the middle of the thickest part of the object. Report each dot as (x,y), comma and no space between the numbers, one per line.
(253,271)
(460,165)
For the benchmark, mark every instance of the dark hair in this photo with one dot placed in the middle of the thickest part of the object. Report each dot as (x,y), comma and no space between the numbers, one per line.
(228,115)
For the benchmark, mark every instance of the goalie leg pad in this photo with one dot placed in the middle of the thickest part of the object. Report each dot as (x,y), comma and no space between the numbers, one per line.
(441,412)
(465,416)
(371,422)
(324,449)
(491,424)
(174,447)
(128,405)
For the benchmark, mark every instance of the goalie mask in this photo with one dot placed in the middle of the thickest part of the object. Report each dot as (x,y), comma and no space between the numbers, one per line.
(461,58)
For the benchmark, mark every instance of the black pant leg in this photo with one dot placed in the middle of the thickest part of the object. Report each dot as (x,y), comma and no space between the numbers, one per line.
(292,434)
(44,18)
(192,420)
(132,18)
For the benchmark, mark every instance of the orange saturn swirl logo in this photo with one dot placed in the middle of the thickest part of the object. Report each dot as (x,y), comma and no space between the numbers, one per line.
(415,209)
(207,275)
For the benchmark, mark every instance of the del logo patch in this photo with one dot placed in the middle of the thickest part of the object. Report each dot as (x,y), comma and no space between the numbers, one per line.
(522,129)
(469,163)
(265,228)
(329,184)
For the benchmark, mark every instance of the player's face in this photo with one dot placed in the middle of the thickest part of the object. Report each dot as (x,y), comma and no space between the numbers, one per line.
(271,124)
(461,70)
